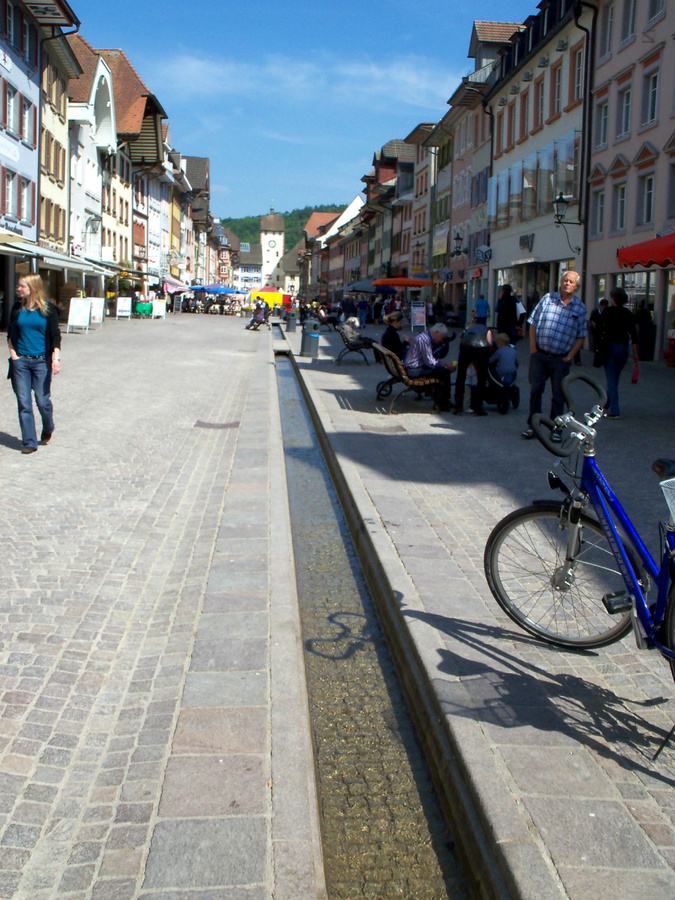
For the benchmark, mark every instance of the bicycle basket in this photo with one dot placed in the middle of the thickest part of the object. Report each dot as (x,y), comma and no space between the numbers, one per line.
(668,488)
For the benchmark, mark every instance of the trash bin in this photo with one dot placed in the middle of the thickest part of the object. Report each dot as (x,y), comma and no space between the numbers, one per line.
(291,320)
(309,345)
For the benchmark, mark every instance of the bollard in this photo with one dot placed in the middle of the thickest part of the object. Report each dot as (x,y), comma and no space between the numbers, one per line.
(291,320)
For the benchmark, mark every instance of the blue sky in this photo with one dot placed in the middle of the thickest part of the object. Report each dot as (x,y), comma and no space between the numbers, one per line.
(291,99)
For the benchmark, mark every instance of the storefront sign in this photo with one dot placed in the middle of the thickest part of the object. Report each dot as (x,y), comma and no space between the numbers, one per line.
(527,241)
(418,314)
(97,310)
(124,308)
(79,313)
(158,309)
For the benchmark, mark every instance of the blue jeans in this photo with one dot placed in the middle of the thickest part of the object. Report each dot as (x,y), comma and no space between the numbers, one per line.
(363,314)
(32,376)
(542,368)
(618,354)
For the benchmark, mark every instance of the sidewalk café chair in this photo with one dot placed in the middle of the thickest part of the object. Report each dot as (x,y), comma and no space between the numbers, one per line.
(356,346)
(398,375)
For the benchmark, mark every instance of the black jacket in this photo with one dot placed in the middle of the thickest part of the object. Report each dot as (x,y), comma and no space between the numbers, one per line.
(52,333)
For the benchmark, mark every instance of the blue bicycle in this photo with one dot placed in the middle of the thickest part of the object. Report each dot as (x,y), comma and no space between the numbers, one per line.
(575,572)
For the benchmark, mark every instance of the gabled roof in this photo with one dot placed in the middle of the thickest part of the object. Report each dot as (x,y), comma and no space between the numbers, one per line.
(132,97)
(290,260)
(397,149)
(317,220)
(492,33)
(253,257)
(79,89)
(272,222)
(197,169)
(420,132)
(232,238)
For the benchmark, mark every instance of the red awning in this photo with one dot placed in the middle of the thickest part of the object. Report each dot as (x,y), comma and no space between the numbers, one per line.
(400,282)
(658,252)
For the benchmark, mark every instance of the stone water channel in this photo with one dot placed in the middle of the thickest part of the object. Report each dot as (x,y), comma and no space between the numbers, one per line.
(383,831)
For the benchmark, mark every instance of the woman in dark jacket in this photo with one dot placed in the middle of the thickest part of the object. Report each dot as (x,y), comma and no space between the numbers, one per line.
(617,330)
(34,342)
(391,339)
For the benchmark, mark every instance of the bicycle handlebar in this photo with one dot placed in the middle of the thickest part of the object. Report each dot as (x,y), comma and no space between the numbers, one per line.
(564,450)
(539,423)
(582,376)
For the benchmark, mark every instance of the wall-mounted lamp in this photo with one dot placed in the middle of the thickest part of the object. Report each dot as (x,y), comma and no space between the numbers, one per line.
(562,46)
(527,76)
(543,62)
(560,205)
(502,101)
(514,89)
(458,240)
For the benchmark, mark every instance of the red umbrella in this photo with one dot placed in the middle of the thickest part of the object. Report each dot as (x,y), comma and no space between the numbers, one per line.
(401,282)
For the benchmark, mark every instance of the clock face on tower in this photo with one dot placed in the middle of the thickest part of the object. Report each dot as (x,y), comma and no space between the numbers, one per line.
(271,243)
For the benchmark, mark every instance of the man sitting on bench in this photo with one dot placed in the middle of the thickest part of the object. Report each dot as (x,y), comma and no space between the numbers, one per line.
(420,360)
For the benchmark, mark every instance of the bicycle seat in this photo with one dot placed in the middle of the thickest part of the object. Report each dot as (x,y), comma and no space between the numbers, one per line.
(664,468)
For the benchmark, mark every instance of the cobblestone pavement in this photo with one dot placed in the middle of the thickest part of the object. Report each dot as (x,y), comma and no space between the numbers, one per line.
(555,746)
(154,740)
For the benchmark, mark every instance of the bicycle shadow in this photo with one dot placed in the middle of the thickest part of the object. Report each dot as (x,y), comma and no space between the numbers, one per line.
(505,690)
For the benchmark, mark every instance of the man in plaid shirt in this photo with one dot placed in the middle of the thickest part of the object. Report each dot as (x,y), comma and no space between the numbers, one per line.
(557,333)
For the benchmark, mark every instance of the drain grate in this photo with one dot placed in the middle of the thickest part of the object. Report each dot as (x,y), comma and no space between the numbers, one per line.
(384,429)
(200,424)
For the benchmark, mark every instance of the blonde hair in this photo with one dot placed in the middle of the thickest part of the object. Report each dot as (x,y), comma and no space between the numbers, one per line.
(37,292)
(503,340)
(396,316)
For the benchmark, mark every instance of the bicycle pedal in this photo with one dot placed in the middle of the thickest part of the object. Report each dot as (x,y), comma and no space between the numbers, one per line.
(619,602)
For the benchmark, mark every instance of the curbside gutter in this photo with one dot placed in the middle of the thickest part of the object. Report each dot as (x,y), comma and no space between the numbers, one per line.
(503,856)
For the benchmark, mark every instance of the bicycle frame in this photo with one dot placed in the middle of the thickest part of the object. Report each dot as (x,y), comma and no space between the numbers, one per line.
(606,505)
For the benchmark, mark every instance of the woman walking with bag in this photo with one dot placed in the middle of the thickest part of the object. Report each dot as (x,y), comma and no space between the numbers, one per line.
(617,329)
(34,342)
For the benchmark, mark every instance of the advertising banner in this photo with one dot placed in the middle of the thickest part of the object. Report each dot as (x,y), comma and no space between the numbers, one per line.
(123,308)
(79,313)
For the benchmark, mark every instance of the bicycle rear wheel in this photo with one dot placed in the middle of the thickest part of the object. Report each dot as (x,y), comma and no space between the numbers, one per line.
(527,574)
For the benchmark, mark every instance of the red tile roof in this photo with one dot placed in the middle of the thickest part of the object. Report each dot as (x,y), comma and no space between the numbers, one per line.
(317,220)
(80,88)
(496,32)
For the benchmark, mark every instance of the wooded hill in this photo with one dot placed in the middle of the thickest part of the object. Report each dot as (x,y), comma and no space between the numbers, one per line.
(248,227)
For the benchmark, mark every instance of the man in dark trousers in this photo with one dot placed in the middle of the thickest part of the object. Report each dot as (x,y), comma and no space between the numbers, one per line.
(557,333)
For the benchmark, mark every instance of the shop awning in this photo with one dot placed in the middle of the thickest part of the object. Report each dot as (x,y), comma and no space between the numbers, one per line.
(401,282)
(173,286)
(659,251)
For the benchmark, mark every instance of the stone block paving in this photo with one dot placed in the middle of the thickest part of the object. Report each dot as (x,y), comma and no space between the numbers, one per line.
(556,745)
(141,751)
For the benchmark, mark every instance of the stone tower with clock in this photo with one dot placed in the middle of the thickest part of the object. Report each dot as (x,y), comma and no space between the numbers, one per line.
(272,246)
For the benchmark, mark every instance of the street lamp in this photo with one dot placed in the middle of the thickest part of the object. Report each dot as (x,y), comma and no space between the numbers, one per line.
(458,240)
(560,205)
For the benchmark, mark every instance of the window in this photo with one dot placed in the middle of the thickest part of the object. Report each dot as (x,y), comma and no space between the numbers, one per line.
(577,76)
(650,97)
(606,28)
(524,113)
(556,91)
(628,21)
(11,109)
(26,200)
(538,111)
(645,205)
(657,8)
(9,193)
(623,112)
(511,126)
(601,118)
(598,212)
(619,211)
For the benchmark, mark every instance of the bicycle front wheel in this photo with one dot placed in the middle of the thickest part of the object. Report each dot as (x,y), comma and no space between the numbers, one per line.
(670,626)
(557,601)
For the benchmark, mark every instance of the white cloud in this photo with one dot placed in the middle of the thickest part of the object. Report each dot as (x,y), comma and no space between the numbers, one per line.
(355,83)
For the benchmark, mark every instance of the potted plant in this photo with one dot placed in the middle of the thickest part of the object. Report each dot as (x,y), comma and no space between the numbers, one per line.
(646,333)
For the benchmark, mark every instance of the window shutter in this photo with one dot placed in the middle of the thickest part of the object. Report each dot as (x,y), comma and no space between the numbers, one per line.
(32,215)
(3,190)
(34,110)
(19,98)
(63,164)
(4,103)
(19,197)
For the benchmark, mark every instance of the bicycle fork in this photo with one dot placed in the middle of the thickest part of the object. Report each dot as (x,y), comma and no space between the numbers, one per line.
(563,576)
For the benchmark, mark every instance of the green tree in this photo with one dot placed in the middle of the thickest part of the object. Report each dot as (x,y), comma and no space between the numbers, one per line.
(247,228)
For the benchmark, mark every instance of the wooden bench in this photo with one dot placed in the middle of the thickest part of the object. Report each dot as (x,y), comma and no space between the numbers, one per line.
(357,346)
(254,326)
(421,385)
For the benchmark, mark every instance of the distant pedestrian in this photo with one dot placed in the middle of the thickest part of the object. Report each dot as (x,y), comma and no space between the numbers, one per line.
(34,342)
(507,312)
(617,331)
(481,311)
(594,325)
(363,308)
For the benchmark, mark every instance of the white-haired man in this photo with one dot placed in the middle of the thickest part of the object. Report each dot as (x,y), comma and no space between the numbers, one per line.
(420,360)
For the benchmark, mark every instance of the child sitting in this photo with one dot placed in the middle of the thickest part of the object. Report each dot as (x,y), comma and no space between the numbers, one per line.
(504,361)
